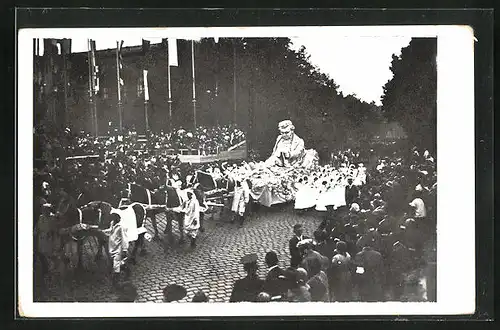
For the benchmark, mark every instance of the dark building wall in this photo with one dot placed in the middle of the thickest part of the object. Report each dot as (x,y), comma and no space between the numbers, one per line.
(212,74)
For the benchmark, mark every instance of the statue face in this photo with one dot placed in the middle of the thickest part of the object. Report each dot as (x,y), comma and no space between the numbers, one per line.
(287,135)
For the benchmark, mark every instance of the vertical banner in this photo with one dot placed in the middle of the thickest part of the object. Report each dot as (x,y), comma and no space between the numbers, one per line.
(119,82)
(146,91)
(172,52)
(93,84)
(66,53)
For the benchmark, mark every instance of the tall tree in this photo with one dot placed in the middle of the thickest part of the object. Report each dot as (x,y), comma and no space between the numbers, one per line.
(410,96)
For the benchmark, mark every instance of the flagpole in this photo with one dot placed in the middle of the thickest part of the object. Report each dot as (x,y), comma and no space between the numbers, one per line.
(91,78)
(234,81)
(120,120)
(65,75)
(169,93)
(194,85)
(216,92)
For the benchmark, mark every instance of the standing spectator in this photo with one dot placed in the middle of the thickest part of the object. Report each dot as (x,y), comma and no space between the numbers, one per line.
(295,255)
(299,291)
(370,271)
(351,192)
(419,210)
(248,288)
(274,285)
(324,245)
(396,198)
(318,282)
(66,206)
(311,256)
(340,274)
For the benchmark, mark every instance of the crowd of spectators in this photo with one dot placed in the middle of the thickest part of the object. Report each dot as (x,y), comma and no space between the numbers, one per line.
(109,163)
(360,251)
(367,250)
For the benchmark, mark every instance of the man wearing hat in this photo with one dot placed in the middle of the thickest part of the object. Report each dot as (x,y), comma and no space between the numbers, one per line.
(249,287)
(295,254)
(289,148)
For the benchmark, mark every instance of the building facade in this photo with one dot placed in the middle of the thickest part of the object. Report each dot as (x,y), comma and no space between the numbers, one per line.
(63,97)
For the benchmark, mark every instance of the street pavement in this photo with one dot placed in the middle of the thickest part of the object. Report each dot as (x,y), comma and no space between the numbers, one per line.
(213,266)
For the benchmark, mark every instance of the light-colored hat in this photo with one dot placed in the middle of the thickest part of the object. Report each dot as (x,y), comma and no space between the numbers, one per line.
(354,207)
(308,242)
(286,126)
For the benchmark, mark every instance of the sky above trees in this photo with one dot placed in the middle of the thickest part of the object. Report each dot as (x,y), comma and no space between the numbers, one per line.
(359,65)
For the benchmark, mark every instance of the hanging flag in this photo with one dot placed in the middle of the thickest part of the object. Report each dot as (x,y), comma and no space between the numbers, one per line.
(40,47)
(94,69)
(146,91)
(172,52)
(145,46)
(49,47)
(120,63)
(96,77)
(66,46)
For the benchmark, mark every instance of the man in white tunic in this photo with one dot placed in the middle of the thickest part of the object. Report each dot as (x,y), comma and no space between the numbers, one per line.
(240,200)
(191,217)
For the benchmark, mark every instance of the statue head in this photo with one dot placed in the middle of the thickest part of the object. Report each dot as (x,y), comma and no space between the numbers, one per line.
(286,129)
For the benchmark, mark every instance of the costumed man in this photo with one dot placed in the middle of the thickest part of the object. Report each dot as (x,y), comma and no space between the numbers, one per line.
(175,213)
(240,200)
(117,247)
(200,196)
(191,217)
(289,148)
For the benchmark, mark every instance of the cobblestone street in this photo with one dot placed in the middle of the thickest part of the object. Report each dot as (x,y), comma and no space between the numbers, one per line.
(212,266)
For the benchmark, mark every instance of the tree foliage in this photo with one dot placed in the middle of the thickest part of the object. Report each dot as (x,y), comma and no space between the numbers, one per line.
(410,96)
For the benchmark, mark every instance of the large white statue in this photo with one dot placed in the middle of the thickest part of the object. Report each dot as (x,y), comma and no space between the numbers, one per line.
(289,149)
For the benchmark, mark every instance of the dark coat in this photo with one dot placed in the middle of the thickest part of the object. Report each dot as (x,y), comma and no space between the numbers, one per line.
(247,289)
(370,283)
(295,255)
(275,286)
(351,194)
(200,196)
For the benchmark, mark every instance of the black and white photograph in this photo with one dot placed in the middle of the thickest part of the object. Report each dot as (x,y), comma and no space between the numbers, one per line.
(225,165)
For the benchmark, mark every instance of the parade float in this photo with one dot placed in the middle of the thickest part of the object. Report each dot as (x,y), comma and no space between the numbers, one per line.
(292,173)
